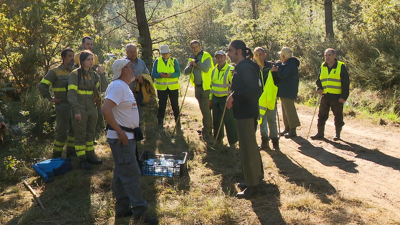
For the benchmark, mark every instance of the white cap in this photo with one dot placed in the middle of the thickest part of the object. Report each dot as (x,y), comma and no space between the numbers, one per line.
(164,49)
(117,67)
(219,52)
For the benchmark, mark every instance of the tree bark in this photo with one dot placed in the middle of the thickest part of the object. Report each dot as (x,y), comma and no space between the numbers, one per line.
(254,9)
(144,39)
(328,19)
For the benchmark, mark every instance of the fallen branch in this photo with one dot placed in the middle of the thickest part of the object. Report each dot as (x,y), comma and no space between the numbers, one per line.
(34,194)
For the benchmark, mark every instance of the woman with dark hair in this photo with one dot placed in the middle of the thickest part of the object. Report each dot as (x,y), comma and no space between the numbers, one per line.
(83,88)
(244,101)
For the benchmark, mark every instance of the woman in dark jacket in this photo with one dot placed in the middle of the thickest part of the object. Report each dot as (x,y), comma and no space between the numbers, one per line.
(287,90)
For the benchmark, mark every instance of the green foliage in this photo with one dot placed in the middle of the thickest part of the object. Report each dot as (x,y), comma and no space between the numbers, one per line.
(11,168)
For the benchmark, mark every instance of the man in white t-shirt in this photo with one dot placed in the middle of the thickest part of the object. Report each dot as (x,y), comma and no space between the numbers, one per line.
(121,113)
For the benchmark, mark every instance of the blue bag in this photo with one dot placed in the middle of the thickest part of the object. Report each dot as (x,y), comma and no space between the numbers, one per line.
(49,168)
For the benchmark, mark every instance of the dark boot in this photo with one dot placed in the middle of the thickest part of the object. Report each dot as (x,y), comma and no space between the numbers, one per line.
(93,160)
(337,136)
(291,133)
(56,154)
(71,153)
(284,131)
(320,134)
(84,165)
(249,192)
(275,144)
(146,219)
(264,144)
(241,186)
(160,124)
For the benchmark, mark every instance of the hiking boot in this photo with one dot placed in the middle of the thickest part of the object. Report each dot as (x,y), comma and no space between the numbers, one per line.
(284,131)
(320,134)
(249,192)
(85,165)
(337,136)
(145,218)
(56,154)
(275,144)
(241,186)
(291,133)
(264,144)
(93,160)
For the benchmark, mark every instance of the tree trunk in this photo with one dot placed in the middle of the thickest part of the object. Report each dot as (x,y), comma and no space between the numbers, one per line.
(328,19)
(144,40)
(254,9)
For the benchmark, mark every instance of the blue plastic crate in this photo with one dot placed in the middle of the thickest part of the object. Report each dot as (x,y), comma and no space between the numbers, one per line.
(163,165)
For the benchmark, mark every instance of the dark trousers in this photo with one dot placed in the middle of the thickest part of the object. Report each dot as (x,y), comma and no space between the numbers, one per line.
(337,109)
(162,102)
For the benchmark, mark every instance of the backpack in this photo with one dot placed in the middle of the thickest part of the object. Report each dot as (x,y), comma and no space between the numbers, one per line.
(49,168)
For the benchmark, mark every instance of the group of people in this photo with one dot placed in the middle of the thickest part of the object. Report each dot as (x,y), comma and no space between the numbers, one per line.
(240,97)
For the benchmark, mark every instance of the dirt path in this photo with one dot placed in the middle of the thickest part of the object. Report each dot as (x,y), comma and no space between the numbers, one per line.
(364,165)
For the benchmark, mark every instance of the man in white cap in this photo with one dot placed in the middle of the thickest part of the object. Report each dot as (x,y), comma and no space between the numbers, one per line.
(221,79)
(121,113)
(166,73)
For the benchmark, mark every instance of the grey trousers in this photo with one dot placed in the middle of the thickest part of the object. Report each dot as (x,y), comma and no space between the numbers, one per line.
(251,158)
(289,113)
(203,99)
(126,183)
(269,120)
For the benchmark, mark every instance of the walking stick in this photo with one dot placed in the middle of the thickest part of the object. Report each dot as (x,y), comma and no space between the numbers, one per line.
(180,109)
(277,116)
(315,110)
(220,125)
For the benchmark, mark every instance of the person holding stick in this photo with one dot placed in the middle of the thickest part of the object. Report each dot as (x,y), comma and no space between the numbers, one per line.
(221,79)
(244,101)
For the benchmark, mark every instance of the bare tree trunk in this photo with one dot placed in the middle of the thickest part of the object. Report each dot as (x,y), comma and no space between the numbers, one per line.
(328,19)
(145,41)
(254,9)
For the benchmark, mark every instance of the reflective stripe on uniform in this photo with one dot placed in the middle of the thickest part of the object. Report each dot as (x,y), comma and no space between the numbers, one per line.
(220,92)
(72,87)
(71,138)
(44,81)
(59,89)
(82,92)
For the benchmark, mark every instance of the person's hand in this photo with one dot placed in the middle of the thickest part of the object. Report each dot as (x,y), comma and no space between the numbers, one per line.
(3,126)
(100,69)
(56,101)
(139,78)
(123,138)
(210,104)
(341,100)
(279,61)
(274,68)
(229,101)
(78,117)
(319,91)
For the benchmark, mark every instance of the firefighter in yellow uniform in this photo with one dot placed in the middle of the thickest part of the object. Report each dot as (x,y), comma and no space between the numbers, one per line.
(221,79)
(83,86)
(57,78)
(166,73)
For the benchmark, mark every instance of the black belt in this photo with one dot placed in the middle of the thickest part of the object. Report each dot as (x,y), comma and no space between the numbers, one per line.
(127,129)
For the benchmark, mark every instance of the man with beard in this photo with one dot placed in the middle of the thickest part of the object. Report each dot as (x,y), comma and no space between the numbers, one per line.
(57,78)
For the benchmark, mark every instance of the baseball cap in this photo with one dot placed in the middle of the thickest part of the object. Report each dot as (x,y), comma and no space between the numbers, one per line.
(117,67)
(164,49)
(219,52)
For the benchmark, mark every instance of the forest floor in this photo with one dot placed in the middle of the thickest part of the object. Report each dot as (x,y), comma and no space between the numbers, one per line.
(351,181)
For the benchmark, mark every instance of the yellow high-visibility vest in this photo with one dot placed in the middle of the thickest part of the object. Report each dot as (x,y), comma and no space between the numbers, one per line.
(220,85)
(163,83)
(331,82)
(268,97)
(205,76)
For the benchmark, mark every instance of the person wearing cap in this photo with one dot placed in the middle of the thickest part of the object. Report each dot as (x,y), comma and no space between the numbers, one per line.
(333,84)
(57,78)
(83,85)
(288,71)
(166,73)
(267,101)
(221,79)
(199,68)
(3,128)
(121,113)
(140,76)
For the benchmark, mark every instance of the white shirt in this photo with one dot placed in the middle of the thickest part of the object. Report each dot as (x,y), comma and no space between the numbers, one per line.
(126,111)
